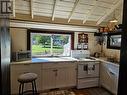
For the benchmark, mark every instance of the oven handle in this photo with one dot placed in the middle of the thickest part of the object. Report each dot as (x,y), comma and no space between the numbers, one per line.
(85,67)
(93,67)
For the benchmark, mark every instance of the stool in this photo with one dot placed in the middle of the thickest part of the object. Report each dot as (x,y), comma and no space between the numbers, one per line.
(27,78)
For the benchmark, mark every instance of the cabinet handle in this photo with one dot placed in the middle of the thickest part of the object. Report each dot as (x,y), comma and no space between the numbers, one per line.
(112,73)
(55,70)
(85,68)
(26,64)
(56,74)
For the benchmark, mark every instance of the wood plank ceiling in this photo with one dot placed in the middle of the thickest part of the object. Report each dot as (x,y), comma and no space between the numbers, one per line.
(84,11)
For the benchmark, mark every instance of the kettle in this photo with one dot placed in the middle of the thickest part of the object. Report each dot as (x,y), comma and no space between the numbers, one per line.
(97,54)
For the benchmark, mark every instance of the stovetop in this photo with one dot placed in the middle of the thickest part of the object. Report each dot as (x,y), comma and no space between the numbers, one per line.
(86,59)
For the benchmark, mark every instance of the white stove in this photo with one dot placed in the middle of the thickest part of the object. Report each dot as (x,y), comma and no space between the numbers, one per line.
(87,59)
(88,69)
(82,55)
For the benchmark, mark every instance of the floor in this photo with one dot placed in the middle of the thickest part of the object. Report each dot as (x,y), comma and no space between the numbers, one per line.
(92,91)
(89,91)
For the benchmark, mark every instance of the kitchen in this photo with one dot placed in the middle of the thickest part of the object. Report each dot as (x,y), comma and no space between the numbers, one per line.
(92,56)
(71,68)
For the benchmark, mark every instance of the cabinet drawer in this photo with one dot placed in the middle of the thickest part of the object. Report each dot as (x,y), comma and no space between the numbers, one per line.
(58,65)
(88,82)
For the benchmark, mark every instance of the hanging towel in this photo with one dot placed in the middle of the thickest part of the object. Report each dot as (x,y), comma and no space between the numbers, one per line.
(91,68)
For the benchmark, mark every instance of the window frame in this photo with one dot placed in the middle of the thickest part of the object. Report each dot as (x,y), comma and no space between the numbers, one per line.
(108,40)
(29,31)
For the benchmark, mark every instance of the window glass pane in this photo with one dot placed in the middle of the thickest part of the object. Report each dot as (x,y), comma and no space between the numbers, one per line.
(50,44)
(115,40)
(41,45)
(61,45)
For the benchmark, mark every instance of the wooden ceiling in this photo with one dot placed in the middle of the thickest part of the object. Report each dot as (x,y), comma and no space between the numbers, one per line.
(83,11)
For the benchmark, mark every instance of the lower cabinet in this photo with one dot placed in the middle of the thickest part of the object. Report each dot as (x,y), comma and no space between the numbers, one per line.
(18,69)
(50,76)
(109,77)
(58,77)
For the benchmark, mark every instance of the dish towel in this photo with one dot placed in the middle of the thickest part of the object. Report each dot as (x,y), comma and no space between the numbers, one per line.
(90,68)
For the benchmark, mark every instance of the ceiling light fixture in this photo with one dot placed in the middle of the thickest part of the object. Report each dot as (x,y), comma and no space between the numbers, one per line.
(114,20)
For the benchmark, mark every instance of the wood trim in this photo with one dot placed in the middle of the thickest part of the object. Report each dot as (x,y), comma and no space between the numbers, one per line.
(53,11)
(74,7)
(31,8)
(93,8)
(44,19)
(14,8)
(28,40)
(122,85)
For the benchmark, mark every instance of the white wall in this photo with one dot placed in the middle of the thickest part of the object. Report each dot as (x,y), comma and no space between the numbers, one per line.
(111,52)
(18,39)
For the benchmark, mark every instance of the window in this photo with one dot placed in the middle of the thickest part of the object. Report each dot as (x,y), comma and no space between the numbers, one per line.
(114,40)
(51,44)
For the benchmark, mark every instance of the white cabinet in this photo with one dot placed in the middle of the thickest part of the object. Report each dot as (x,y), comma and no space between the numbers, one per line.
(36,68)
(48,78)
(109,76)
(18,69)
(50,75)
(66,77)
(61,75)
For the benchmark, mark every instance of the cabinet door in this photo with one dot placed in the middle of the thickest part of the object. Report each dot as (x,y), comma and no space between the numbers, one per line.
(71,76)
(105,77)
(36,68)
(17,70)
(66,77)
(61,78)
(48,78)
(114,82)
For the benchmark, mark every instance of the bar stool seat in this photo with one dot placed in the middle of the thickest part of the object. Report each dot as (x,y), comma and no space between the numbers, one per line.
(27,78)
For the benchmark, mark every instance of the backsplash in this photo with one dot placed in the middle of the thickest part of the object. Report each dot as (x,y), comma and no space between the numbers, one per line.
(111,53)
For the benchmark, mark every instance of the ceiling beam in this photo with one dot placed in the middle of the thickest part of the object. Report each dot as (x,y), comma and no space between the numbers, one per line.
(53,12)
(31,9)
(14,8)
(113,7)
(73,9)
(90,12)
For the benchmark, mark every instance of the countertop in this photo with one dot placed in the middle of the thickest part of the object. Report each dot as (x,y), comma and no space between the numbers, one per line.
(47,60)
(104,59)
(62,60)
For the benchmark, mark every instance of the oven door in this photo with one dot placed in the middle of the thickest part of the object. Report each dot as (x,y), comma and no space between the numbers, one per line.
(84,73)
(82,70)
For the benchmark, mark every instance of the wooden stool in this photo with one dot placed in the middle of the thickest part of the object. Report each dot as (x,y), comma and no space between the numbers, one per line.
(27,78)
